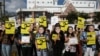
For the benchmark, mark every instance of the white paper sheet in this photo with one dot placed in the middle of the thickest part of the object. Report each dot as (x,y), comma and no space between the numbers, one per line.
(25,39)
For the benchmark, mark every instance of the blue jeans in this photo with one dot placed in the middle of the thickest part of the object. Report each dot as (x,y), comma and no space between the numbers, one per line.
(6,49)
(42,53)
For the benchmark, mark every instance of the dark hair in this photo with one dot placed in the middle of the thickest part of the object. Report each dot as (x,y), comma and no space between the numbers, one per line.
(87,27)
(99,27)
(67,32)
(56,25)
(48,30)
(76,27)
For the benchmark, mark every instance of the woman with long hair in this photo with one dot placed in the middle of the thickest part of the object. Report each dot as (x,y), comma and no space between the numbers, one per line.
(71,42)
(88,39)
(7,41)
(78,32)
(57,37)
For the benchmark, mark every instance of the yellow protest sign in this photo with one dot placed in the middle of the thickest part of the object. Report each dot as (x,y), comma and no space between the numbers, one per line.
(9,27)
(81,22)
(37,19)
(64,25)
(91,38)
(54,36)
(25,26)
(32,20)
(41,42)
(43,21)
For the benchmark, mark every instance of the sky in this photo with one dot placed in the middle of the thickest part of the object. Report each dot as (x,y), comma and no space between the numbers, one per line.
(13,5)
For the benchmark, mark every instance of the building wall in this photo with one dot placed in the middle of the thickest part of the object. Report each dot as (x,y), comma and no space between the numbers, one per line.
(84,5)
(33,3)
(98,4)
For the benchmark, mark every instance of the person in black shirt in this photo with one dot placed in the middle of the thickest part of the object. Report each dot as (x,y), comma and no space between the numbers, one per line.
(7,41)
(32,35)
(57,41)
(0,36)
(98,40)
(18,36)
(0,41)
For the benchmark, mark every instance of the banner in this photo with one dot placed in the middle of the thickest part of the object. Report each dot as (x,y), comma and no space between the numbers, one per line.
(91,37)
(9,27)
(41,42)
(43,21)
(81,22)
(25,26)
(54,36)
(64,25)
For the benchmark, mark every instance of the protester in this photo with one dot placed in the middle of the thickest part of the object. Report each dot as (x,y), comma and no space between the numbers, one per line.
(70,48)
(32,35)
(7,41)
(1,31)
(49,44)
(89,46)
(77,33)
(26,45)
(57,41)
(98,40)
(0,42)
(41,40)
(17,37)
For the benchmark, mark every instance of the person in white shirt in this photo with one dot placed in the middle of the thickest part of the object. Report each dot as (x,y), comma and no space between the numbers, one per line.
(70,43)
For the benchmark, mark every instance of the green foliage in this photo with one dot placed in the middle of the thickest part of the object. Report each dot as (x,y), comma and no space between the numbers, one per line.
(97,17)
(72,17)
(4,18)
(83,15)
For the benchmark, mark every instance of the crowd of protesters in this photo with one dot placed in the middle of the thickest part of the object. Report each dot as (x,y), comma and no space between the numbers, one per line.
(55,47)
